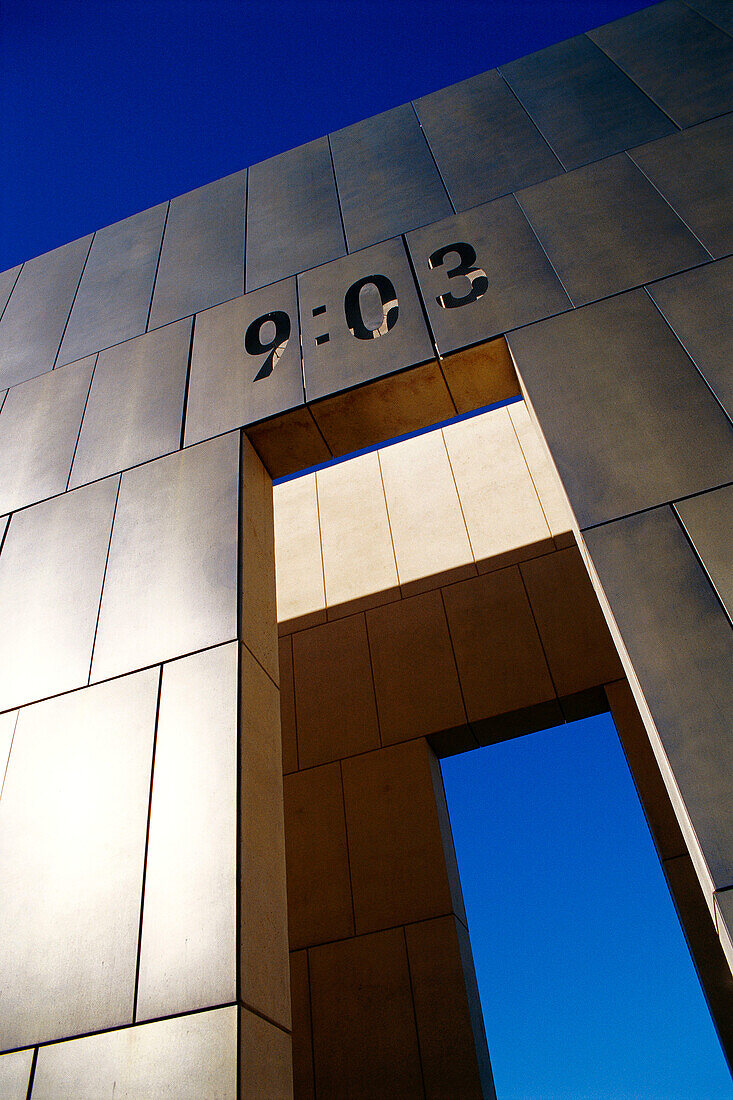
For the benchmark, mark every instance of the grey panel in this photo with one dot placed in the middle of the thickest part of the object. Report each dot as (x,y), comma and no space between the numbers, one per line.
(188,956)
(135,404)
(73,819)
(678,58)
(681,646)
(606,229)
(293,218)
(484,143)
(187,1058)
(229,385)
(39,427)
(387,180)
(114,294)
(697,304)
(202,258)
(708,520)
(694,172)
(724,902)
(34,319)
(51,571)
(8,280)
(513,282)
(719,12)
(582,104)
(7,729)
(171,582)
(15,1071)
(333,357)
(622,408)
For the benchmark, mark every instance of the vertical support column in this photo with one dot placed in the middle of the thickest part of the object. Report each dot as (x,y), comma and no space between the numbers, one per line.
(143,936)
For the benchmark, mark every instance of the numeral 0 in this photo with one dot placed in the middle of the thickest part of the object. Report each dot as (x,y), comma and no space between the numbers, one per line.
(254,344)
(466,261)
(371,307)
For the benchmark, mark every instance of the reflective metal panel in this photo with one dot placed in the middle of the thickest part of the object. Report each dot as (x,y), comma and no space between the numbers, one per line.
(135,404)
(245,363)
(171,582)
(15,1070)
(114,294)
(482,273)
(719,12)
(51,571)
(387,179)
(187,959)
(202,258)
(697,304)
(484,143)
(293,219)
(622,408)
(73,819)
(694,172)
(7,729)
(8,280)
(39,427)
(680,59)
(360,318)
(33,322)
(680,643)
(584,106)
(605,229)
(189,1057)
(708,520)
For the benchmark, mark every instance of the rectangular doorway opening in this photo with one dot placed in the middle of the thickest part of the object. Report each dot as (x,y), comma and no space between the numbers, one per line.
(586,983)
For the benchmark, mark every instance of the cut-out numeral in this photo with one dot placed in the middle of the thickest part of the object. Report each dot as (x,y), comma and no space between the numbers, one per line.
(257,339)
(476,276)
(371,307)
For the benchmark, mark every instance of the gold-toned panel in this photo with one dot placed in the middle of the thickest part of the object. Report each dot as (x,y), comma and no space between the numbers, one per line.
(481,375)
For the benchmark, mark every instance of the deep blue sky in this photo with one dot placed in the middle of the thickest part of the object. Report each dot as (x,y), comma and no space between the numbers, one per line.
(110,106)
(586,983)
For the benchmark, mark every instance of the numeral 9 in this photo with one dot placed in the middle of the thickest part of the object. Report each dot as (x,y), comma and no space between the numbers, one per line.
(278,323)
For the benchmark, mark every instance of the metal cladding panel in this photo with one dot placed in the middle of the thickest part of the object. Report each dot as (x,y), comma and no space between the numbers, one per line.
(34,318)
(73,819)
(484,143)
(719,12)
(202,258)
(171,581)
(8,280)
(693,170)
(188,952)
(245,363)
(583,105)
(51,570)
(681,645)
(188,1057)
(482,273)
(606,229)
(135,404)
(354,328)
(15,1071)
(679,59)
(708,520)
(39,427)
(113,299)
(622,408)
(697,305)
(387,179)
(293,217)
